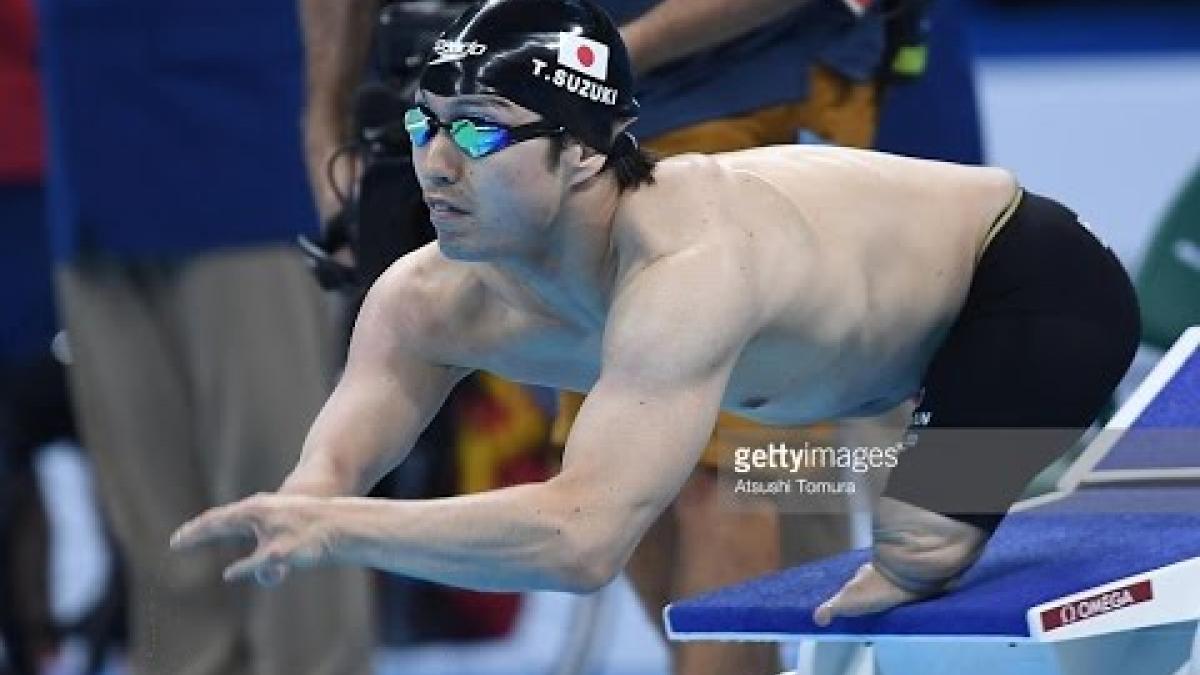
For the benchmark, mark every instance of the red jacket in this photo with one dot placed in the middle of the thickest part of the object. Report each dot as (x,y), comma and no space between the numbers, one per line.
(21,156)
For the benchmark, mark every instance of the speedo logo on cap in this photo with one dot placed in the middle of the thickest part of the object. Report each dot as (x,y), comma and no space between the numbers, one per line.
(586,56)
(452,50)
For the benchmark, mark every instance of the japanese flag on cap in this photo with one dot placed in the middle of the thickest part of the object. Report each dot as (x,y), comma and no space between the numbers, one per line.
(586,56)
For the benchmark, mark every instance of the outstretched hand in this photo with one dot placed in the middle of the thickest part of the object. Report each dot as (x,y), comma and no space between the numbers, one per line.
(289,531)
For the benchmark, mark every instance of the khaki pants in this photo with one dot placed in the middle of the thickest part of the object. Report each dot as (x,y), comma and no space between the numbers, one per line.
(195,382)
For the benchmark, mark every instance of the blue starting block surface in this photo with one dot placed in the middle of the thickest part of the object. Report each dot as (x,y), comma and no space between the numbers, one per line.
(1092,539)
(1104,546)
(1156,434)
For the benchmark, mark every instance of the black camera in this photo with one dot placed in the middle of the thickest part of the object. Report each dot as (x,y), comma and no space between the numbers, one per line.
(384,216)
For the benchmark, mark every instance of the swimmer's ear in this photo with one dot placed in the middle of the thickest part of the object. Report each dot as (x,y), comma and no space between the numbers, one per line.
(585,162)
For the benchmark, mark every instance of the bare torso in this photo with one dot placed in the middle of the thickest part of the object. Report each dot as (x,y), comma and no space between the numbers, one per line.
(857,264)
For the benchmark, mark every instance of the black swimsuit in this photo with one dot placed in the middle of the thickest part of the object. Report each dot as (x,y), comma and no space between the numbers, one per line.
(1049,327)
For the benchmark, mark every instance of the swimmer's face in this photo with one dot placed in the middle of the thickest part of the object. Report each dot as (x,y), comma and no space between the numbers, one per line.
(491,206)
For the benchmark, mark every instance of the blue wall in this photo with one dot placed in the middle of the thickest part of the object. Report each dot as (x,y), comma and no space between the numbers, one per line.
(1095,103)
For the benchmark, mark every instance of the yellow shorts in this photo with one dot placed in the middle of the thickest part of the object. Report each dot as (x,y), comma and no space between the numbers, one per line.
(837,110)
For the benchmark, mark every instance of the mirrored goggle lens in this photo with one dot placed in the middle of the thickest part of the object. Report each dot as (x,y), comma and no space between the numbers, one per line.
(477,140)
(419,127)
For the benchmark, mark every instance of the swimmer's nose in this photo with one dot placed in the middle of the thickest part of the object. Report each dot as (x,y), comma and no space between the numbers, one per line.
(439,162)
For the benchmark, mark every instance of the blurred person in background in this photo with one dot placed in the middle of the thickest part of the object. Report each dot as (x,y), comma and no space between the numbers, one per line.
(200,343)
(31,389)
(931,106)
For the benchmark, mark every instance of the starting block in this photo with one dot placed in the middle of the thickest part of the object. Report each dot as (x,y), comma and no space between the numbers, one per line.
(1101,577)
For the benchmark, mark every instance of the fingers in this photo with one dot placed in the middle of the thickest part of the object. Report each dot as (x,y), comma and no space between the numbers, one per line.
(214,525)
(267,568)
(284,537)
(868,592)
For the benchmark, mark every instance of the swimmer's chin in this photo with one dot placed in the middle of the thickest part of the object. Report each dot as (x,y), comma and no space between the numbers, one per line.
(454,250)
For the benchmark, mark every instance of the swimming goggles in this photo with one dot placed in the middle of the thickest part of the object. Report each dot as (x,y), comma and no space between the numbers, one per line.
(477,138)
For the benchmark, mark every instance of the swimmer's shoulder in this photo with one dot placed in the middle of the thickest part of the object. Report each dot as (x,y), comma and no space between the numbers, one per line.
(424,297)
(677,181)
(682,232)
(670,214)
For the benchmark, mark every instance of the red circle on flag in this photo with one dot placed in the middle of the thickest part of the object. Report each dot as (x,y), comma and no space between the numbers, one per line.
(586,56)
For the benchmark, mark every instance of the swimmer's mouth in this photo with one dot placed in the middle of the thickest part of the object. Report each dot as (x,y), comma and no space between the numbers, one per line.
(441,206)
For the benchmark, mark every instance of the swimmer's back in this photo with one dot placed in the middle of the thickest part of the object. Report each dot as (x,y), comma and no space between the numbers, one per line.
(839,178)
(860,259)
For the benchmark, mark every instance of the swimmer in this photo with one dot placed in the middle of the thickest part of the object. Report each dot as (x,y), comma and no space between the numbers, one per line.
(788,284)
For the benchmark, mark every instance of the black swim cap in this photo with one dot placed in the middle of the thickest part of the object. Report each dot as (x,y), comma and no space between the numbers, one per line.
(563,59)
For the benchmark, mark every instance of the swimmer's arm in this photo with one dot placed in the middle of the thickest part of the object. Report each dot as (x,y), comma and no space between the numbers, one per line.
(384,400)
(336,35)
(675,29)
(637,438)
